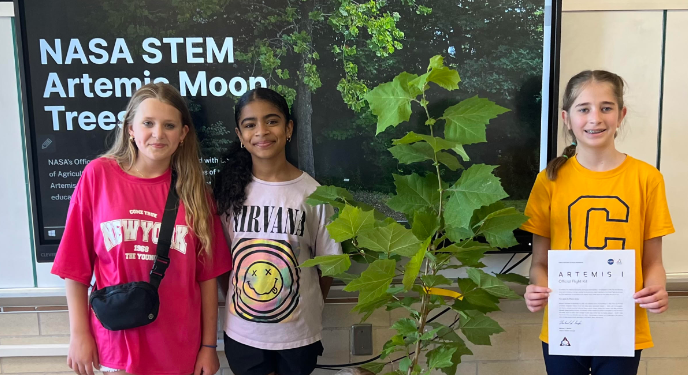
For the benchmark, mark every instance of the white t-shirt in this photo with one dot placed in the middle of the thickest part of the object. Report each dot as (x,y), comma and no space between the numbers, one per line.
(272,303)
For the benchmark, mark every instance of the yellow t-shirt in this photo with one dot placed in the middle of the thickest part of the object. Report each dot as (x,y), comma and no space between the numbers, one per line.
(612,210)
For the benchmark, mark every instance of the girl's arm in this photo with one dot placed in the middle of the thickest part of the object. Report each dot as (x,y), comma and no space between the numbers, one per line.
(207,361)
(83,353)
(325,284)
(653,296)
(537,292)
(223,283)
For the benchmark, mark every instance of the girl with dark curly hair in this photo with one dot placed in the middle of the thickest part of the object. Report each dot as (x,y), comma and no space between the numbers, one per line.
(274,308)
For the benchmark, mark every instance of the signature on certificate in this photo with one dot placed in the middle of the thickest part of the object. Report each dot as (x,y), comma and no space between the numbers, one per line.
(570,322)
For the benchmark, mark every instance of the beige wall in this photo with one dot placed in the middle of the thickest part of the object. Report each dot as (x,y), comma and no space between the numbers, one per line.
(626,43)
(674,156)
(629,43)
(585,5)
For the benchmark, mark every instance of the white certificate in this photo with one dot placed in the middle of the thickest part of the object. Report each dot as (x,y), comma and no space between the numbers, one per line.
(591,306)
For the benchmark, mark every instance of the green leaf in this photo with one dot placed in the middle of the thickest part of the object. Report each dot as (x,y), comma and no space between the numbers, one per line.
(374,281)
(437,143)
(425,224)
(395,290)
(391,102)
(449,160)
(410,137)
(429,335)
(445,333)
(434,280)
(405,78)
(468,256)
(392,345)
(404,364)
(465,121)
(479,299)
(463,305)
(498,227)
(348,247)
(406,303)
(513,278)
(444,77)
(477,327)
(477,187)
(374,367)
(393,238)
(345,277)
(439,240)
(415,193)
(383,223)
(413,266)
(350,221)
(331,195)
(440,357)
(420,83)
(431,257)
(461,152)
(467,285)
(436,61)
(330,265)
(369,307)
(414,153)
(419,288)
(480,214)
(491,284)
(458,234)
(461,350)
(405,326)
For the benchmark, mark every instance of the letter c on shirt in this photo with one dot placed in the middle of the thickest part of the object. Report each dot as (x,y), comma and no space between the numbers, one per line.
(595,221)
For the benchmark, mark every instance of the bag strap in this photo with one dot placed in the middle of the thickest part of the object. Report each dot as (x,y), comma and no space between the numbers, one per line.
(162,260)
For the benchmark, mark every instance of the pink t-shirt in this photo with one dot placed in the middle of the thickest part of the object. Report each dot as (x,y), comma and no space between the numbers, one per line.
(112,229)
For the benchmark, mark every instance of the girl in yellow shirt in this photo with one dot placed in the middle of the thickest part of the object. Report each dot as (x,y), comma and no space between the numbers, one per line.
(597,198)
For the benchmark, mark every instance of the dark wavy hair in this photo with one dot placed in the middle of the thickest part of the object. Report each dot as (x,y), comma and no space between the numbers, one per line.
(236,172)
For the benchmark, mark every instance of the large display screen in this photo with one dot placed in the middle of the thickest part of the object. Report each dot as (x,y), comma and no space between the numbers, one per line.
(82,60)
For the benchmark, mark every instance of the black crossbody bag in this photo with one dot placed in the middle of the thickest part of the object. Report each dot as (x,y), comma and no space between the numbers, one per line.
(135,304)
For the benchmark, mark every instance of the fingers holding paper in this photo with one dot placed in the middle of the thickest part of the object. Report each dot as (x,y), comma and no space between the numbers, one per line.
(536,297)
(653,298)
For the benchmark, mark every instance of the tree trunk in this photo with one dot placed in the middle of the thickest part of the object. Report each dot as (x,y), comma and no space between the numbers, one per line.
(303,103)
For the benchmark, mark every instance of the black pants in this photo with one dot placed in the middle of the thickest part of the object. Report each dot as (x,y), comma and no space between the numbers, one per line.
(582,365)
(247,360)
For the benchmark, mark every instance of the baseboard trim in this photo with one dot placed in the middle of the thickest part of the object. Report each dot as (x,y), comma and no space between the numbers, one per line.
(677,276)
(677,283)
(36,350)
(6,9)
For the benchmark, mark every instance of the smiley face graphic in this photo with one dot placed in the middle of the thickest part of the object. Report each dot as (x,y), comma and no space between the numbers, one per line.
(265,281)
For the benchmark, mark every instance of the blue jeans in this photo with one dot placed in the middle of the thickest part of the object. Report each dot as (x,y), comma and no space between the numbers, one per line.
(581,365)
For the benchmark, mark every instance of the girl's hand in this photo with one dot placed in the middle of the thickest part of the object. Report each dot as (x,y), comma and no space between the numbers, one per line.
(653,298)
(207,362)
(536,297)
(83,354)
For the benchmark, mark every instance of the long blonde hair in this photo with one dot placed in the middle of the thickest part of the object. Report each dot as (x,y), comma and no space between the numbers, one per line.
(573,88)
(191,183)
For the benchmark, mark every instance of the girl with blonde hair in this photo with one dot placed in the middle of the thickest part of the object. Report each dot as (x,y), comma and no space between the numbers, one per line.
(112,230)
